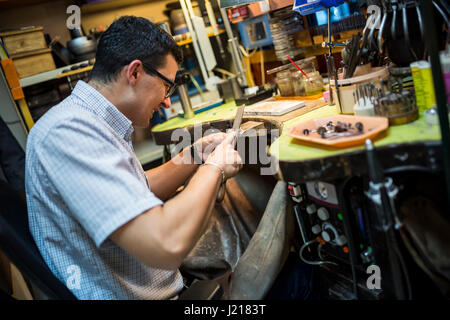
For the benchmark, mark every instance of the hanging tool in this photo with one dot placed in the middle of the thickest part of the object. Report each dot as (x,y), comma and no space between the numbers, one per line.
(394,5)
(406,30)
(372,48)
(353,55)
(363,51)
(420,20)
(380,31)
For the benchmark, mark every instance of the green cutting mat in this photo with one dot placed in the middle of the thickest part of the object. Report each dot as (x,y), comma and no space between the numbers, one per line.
(286,148)
(224,112)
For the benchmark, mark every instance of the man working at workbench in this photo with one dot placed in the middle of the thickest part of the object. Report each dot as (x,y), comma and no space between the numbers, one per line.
(91,206)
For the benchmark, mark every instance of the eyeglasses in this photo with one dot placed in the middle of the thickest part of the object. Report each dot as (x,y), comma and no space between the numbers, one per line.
(172,85)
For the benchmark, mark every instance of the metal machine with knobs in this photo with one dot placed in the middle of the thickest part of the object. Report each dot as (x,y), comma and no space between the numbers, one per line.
(326,222)
(321,215)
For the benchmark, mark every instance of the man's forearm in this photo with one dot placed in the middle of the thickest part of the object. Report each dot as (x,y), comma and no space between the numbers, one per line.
(164,235)
(167,178)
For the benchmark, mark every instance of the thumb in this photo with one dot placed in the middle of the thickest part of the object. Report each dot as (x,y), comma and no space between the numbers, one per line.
(230,137)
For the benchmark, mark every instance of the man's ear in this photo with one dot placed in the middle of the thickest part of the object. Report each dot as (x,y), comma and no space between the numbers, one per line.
(133,72)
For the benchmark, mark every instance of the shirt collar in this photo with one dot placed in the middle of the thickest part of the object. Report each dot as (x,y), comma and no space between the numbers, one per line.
(99,105)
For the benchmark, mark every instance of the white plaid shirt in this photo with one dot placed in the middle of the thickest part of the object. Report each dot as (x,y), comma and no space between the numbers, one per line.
(83,181)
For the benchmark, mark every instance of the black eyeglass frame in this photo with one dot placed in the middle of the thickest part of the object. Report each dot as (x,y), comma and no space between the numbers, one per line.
(172,84)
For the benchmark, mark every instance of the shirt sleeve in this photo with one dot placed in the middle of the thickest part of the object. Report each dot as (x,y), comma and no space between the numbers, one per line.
(94,176)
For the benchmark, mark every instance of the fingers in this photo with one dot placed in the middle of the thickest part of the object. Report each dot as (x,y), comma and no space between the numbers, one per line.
(230,137)
(215,138)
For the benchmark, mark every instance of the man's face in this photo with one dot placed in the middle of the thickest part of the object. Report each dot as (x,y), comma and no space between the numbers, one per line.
(153,89)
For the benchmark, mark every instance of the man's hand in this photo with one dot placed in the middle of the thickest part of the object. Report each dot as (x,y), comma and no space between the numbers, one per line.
(226,157)
(207,144)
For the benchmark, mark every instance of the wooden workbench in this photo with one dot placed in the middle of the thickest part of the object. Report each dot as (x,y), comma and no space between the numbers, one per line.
(222,118)
(413,144)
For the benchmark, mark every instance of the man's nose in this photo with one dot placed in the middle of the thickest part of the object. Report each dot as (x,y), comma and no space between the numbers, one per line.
(167,103)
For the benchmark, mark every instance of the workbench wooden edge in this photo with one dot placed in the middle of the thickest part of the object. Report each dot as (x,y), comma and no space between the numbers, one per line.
(166,137)
(422,154)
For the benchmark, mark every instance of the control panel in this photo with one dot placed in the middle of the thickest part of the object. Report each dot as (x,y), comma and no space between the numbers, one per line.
(320,217)
(326,218)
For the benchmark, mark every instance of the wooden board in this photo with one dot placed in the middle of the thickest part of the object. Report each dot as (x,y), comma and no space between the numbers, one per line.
(272,107)
(20,41)
(309,106)
(28,64)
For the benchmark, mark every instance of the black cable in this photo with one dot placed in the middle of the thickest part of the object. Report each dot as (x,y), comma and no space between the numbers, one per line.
(416,168)
(350,239)
(405,271)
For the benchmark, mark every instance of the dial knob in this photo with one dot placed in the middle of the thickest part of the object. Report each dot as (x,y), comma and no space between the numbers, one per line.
(316,229)
(341,240)
(323,214)
(311,208)
(327,235)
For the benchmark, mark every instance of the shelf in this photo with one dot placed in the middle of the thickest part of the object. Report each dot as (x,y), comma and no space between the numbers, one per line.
(50,75)
(110,5)
(73,72)
(188,41)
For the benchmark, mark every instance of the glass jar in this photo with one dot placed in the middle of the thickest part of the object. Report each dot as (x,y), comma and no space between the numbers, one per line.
(284,83)
(297,83)
(314,84)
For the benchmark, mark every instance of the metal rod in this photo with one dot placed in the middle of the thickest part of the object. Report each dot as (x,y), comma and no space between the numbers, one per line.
(233,46)
(386,214)
(197,50)
(439,88)
(213,23)
(185,102)
(332,65)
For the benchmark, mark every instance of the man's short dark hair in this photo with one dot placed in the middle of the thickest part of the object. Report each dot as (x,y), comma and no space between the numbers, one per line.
(129,38)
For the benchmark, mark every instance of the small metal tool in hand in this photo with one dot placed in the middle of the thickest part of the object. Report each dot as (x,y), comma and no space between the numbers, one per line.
(236,128)
(237,122)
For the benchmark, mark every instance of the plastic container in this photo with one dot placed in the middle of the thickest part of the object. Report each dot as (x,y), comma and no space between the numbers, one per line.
(290,80)
(423,85)
(284,83)
(364,110)
(348,86)
(314,84)
(297,83)
(307,65)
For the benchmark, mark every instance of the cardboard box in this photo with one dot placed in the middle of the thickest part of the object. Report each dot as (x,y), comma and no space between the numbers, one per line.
(303,38)
(20,41)
(34,62)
